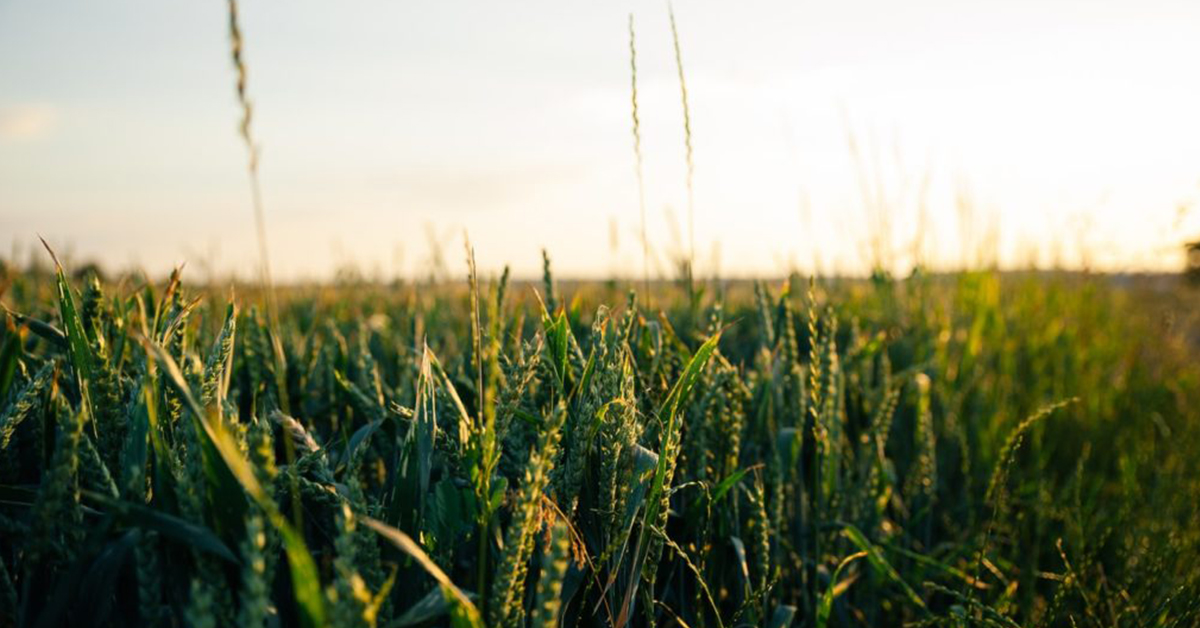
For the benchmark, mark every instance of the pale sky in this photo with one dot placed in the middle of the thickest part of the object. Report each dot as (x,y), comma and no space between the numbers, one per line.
(1071,128)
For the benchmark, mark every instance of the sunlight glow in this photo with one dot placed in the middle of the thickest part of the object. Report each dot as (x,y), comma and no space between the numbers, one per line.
(827,138)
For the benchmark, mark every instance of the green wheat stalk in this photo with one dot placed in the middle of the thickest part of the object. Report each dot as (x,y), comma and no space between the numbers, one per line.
(505,606)
(550,581)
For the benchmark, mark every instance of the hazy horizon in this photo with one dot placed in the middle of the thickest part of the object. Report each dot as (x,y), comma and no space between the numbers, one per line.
(1067,128)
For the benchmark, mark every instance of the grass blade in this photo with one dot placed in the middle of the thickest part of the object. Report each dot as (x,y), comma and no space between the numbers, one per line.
(405,544)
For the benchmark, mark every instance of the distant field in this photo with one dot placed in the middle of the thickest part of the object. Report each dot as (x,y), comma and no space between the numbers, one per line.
(968,449)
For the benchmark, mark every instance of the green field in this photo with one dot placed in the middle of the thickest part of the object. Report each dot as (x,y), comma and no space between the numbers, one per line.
(970,449)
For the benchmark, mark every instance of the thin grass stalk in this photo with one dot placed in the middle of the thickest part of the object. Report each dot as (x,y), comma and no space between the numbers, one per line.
(485,427)
(260,222)
(246,132)
(997,490)
(637,153)
(687,143)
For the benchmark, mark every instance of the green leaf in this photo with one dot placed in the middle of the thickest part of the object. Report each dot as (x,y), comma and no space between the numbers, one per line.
(306,583)
(170,526)
(17,495)
(729,482)
(357,439)
(683,386)
(77,342)
(99,583)
(425,425)
(464,417)
(433,605)
(932,562)
(10,356)
(739,552)
(557,342)
(135,453)
(226,497)
(585,379)
(45,330)
(499,489)
(881,565)
(679,393)
(782,617)
(465,612)
(831,591)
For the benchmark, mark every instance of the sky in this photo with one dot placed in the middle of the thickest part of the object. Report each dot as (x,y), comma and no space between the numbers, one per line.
(828,136)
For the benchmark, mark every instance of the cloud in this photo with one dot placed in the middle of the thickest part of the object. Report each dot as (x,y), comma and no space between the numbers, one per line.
(27,122)
(480,187)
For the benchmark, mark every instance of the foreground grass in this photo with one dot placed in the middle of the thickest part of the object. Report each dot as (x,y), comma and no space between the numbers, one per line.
(970,450)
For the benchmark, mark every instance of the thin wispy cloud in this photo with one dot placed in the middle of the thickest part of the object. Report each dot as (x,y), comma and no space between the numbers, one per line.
(26,122)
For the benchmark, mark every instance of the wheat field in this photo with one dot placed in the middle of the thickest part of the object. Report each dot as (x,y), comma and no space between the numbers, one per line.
(941,450)
(963,448)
